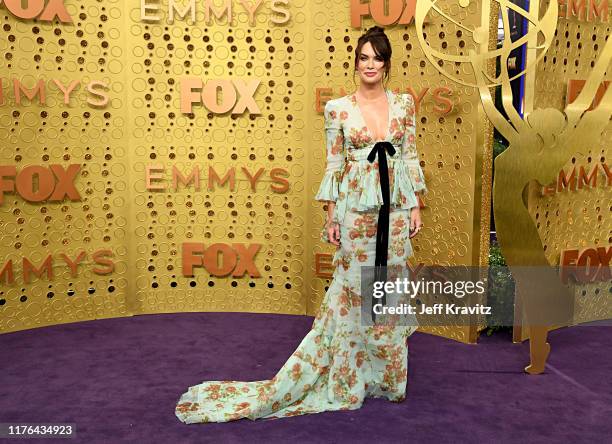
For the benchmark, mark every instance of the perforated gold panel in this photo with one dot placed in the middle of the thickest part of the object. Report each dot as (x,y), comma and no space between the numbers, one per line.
(140,156)
(45,131)
(228,143)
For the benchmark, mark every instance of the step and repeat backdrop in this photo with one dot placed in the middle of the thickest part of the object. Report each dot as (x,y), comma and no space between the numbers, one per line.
(162,156)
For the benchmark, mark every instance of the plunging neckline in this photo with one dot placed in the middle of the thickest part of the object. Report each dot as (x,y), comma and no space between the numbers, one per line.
(365,125)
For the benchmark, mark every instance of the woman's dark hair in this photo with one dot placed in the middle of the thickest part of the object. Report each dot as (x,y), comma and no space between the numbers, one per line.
(381,45)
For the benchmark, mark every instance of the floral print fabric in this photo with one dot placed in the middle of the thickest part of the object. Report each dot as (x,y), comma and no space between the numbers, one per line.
(350,179)
(340,361)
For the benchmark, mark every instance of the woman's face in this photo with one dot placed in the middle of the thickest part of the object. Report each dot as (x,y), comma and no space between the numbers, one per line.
(370,67)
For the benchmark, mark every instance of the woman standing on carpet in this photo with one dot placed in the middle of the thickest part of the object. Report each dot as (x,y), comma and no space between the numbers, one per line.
(369,185)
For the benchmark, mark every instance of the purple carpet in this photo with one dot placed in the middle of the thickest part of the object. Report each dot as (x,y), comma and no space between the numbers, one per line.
(118,380)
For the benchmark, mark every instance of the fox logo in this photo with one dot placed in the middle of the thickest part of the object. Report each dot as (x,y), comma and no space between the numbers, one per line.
(36,9)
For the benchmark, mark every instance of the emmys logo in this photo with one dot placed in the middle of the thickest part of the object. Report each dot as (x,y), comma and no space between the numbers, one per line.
(36,183)
(383,12)
(572,180)
(154,178)
(578,9)
(30,269)
(36,9)
(194,91)
(236,259)
(95,88)
(150,11)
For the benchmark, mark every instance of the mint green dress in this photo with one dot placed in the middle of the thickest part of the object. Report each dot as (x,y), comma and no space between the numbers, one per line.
(340,361)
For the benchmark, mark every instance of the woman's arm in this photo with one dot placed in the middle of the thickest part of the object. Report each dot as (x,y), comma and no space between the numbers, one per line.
(330,184)
(411,158)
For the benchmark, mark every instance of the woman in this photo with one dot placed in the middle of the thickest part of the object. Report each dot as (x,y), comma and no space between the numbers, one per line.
(341,361)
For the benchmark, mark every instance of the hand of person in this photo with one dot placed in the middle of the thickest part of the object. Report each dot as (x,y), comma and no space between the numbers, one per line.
(415,221)
(333,232)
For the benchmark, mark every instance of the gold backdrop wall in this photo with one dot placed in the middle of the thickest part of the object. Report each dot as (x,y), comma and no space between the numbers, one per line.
(131,222)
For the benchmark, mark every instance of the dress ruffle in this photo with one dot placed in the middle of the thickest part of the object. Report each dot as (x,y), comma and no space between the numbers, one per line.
(416,176)
(328,190)
(359,189)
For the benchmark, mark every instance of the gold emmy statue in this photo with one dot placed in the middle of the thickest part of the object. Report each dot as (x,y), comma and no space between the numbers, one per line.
(539,146)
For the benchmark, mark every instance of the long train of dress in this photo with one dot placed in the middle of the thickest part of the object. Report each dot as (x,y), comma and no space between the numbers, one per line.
(341,361)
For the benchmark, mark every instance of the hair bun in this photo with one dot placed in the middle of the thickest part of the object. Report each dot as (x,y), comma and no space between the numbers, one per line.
(376,30)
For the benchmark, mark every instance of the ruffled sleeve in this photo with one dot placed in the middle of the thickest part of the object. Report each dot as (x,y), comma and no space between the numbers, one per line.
(409,156)
(334,141)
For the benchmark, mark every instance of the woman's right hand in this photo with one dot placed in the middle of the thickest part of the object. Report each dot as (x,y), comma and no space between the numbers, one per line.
(333,233)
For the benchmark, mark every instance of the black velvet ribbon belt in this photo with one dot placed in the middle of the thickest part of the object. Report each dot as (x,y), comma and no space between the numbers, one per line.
(382,230)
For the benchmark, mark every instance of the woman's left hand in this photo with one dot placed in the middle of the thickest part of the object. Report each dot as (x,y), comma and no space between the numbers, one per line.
(415,221)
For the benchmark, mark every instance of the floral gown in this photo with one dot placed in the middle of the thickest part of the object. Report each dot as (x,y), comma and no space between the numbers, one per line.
(340,361)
